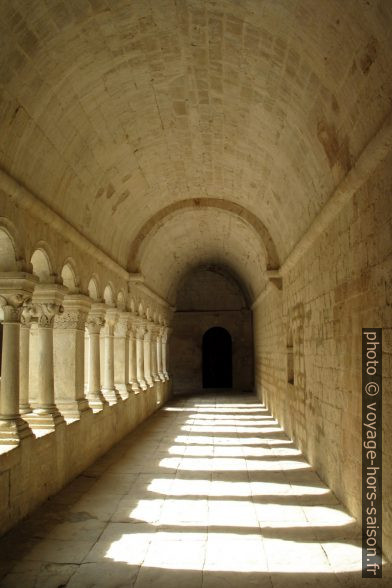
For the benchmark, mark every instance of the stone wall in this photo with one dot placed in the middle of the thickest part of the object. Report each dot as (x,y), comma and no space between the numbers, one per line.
(340,285)
(186,348)
(209,298)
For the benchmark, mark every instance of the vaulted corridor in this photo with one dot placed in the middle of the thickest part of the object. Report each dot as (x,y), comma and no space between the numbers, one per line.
(208,492)
(196,291)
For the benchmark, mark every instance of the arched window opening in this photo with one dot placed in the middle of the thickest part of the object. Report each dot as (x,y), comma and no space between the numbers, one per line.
(41,265)
(217,359)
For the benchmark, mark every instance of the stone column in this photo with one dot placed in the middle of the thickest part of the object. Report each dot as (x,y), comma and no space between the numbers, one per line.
(147,355)
(47,300)
(24,361)
(15,289)
(164,352)
(132,360)
(159,356)
(140,332)
(154,360)
(109,390)
(95,322)
(121,355)
(69,329)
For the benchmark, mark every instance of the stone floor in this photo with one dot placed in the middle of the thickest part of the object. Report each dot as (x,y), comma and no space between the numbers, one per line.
(209,492)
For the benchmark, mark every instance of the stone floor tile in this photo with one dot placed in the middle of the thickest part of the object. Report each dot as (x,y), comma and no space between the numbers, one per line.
(39,575)
(216,579)
(104,575)
(59,551)
(166,578)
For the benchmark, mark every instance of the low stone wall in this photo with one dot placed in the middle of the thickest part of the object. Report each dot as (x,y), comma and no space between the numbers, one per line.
(40,467)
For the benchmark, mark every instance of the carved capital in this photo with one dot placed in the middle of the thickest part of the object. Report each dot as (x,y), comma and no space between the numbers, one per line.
(140,332)
(12,305)
(27,314)
(94,324)
(71,319)
(45,313)
(12,314)
(123,324)
(122,328)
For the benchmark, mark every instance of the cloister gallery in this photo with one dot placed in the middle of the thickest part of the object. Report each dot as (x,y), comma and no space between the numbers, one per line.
(195,228)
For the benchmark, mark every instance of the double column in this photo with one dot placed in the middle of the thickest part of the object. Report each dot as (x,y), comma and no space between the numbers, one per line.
(155,330)
(15,290)
(165,336)
(47,300)
(95,322)
(109,390)
(122,346)
(147,354)
(133,379)
(159,355)
(69,332)
(140,326)
(24,363)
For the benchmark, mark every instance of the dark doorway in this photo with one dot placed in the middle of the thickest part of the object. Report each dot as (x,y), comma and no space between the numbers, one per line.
(217,362)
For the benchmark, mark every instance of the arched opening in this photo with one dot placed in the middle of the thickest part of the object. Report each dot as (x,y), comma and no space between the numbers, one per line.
(217,359)
(7,252)
(210,296)
(69,278)
(41,265)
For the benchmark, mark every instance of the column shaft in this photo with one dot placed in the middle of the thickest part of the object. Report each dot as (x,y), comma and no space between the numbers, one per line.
(132,362)
(12,427)
(24,364)
(140,359)
(147,359)
(69,336)
(95,322)
(109,390)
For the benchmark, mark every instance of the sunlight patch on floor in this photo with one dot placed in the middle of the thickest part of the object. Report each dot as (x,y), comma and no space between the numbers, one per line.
(202,495)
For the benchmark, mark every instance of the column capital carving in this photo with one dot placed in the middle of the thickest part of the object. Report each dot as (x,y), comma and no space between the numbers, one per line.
(123,324)
(140,327)
(155,330)
(27,314)
(111,315)
(96,317)
(149,330)
(166,333)
(45,313)
(12,314)
(76,308)
(47,302)
(15,290)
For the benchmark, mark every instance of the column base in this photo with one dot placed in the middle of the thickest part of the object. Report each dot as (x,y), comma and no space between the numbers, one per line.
(150,382)
(45,418)
(166,376)
(161,377)
(73,408)
(96,400)
(143,384)
(25,409)
(123,390)
(135,387)
(111,395)
(12,431)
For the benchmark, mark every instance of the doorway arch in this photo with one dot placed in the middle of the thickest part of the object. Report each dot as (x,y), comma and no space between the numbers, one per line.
(217,358)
